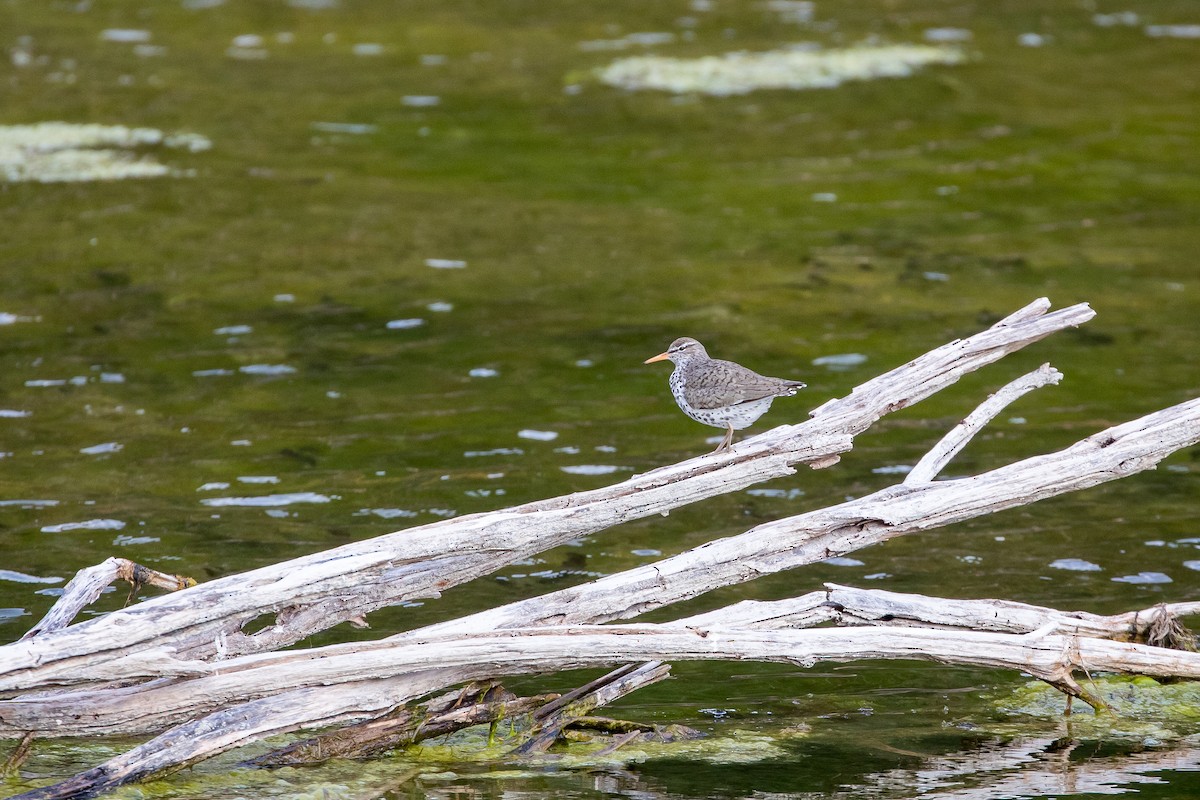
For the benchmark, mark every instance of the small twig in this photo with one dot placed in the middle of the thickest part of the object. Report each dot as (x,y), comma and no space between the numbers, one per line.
(957,438)
(89,583)
(577,704)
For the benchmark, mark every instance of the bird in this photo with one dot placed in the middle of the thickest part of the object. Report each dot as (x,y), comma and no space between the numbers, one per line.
(720,393)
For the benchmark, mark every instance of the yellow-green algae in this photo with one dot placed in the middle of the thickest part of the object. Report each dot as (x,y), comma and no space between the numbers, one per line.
(1140,706)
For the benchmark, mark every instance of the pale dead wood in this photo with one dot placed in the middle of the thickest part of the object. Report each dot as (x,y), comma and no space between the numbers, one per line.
(315,592)
(89,583)
(771,547)
(957,438)
(1051,657)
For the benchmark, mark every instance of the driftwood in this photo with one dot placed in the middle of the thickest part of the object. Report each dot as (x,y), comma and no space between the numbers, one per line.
(184,660)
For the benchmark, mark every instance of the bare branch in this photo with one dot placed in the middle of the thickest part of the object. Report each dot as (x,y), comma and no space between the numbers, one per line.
(957,438)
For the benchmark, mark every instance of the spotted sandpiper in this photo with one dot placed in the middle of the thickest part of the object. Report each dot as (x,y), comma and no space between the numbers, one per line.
(720,393)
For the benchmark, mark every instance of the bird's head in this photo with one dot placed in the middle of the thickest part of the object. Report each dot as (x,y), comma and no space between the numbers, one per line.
(680,351)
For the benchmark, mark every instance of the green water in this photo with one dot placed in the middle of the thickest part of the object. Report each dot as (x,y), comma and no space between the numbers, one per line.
(881,218)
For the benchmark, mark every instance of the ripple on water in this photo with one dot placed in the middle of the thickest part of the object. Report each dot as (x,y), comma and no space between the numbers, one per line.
(387,513)
(782,494)
(404,324)
(840,361)
(1145,577)
(538,436)
(592,469)
(1075,565)
(268,500)
(498,451)
(445,263)
(125,541)
(266,369)
(21,577)
(98,449)
(85,525)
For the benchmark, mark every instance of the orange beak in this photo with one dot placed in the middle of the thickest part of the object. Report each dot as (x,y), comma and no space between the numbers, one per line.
(659,357)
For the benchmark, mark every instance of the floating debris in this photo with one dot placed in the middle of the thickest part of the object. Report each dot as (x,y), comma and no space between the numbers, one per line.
(798,68)
(12,413)
(209,373)
(440,308)
(258,479)
(29,503)
(483,372)
(1032,40)
(367,49)
(86,525)
(269,500)
(843,561)
(420,100)
(214,486)
(58,152)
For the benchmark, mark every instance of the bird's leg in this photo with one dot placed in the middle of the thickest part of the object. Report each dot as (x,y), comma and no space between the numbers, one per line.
(728,440)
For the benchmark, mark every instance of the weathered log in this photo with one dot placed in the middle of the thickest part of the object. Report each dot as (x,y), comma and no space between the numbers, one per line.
(1052,657)
(309,594)
(846,605)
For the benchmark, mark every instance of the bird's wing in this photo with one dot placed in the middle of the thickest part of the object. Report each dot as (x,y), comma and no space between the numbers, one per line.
(729,385)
